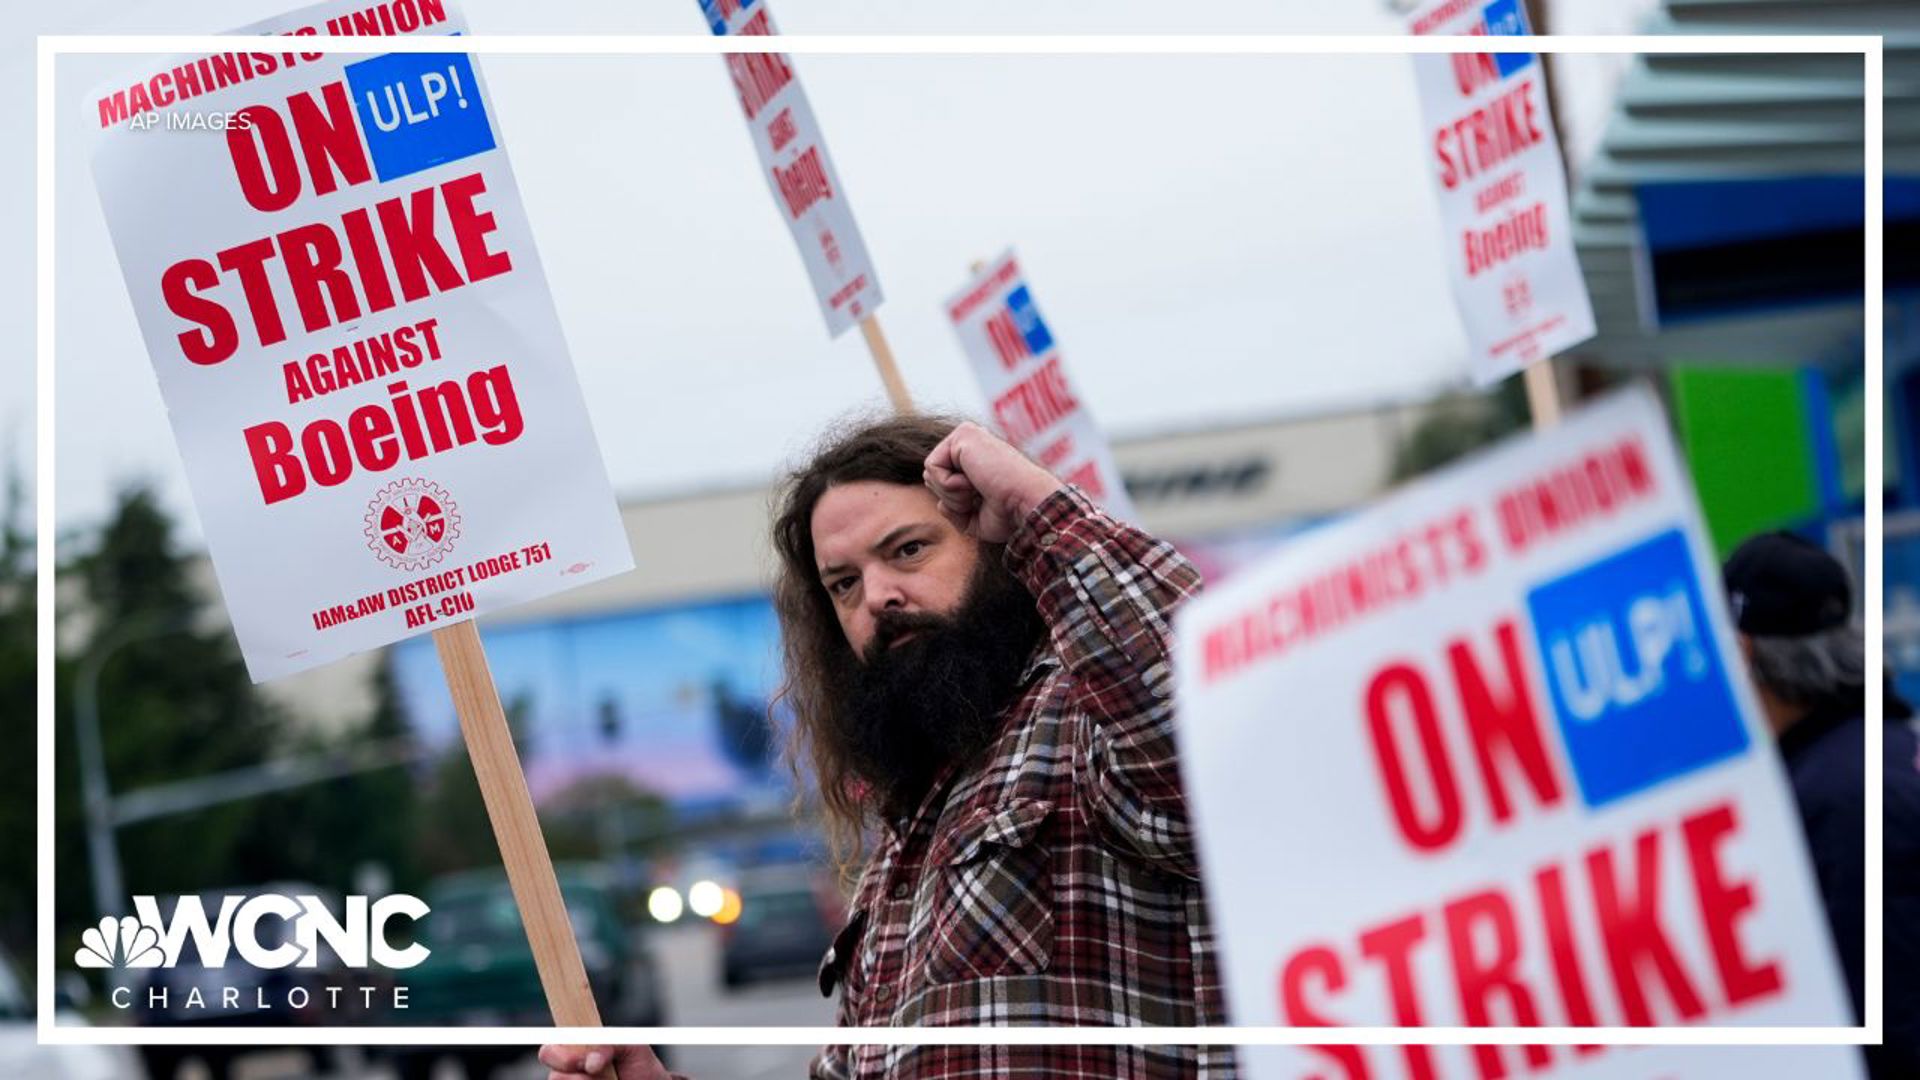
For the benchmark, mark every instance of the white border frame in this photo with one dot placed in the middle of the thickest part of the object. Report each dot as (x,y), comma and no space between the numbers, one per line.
(51,47)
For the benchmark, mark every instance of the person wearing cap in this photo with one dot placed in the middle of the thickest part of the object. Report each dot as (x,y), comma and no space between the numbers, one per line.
(1792,604)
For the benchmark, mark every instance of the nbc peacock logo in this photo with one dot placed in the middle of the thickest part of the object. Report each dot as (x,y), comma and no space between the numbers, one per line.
(125,942)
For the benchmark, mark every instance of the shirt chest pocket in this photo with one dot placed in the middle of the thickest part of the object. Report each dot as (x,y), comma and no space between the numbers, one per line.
(993,914)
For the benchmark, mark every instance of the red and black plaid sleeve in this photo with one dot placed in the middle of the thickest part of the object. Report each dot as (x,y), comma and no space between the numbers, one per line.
(1107,592)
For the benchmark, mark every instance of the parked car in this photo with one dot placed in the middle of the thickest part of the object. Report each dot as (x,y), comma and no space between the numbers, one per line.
(481,970)
(788,916)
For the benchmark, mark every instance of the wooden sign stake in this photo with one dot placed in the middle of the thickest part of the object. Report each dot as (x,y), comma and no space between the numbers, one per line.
(1543,394)
(516,828)
(889,371)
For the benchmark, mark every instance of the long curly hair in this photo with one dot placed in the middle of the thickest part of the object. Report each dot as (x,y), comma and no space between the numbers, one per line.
(815,649)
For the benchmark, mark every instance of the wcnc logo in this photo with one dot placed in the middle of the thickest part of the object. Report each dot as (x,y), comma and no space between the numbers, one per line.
(358,937)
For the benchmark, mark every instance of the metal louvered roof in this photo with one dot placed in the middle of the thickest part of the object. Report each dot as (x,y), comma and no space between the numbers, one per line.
(1718,116)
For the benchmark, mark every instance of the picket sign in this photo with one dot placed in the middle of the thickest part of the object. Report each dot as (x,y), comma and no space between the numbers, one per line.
(806,188)
(1485,753)
(1502,187)
(339,291)
(1024,379)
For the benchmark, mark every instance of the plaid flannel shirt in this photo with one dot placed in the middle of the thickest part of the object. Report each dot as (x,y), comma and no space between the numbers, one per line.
(1055,883)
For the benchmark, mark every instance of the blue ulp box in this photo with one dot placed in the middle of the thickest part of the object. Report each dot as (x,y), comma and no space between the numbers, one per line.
(418,110)
(1027,318)
(715,12)
(1638,688)
(1507,18)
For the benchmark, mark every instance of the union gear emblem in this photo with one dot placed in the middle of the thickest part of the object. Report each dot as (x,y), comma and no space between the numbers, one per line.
(412,524)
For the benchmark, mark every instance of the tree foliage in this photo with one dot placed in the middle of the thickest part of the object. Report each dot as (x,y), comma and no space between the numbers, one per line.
(1458,426)
(18,612)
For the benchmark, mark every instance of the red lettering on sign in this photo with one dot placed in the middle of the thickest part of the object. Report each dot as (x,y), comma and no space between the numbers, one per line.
(758,77)
(781,130)
(399,17)
(1491,939)
(1314,962)
(989,289)
(1053,453)
(207,74)
(1321,964)
(1505,189)
(1504,724)
(803,183)
(1595,486)
(1550,885)
(1629,913)
(366,359)
(1471,71)
(1499,721)
(1344,595)
(217,337)
(848,292)
(1400,688)
(317,272)
(262,151)
(1035,403)
(1005,337)
(312,255)
(1391,946)
(263,162)
(1722,905)
(433,420)
(1504,241)
(1488,136)
(1445,13)
(1480,975)
(1086,477)
(329,139)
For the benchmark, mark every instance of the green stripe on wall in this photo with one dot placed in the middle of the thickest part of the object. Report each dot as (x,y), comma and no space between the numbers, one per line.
(1744,433)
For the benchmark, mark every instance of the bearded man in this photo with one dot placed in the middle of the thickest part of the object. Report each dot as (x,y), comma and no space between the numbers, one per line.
(977,660)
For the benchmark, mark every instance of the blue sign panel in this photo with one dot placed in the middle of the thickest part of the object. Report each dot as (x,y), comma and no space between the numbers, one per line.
(1027,318)
(418,110)
(1507,18)
(1638,689)
(717,11)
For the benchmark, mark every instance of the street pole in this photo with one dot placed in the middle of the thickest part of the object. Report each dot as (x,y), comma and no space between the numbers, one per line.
(103,854)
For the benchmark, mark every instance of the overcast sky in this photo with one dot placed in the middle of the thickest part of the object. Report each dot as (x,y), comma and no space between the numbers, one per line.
(1209,238)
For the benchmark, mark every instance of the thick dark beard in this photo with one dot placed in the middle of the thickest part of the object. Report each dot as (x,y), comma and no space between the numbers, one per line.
(908,710)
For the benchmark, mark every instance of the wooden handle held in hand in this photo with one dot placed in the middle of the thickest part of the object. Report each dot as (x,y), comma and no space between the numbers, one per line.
(523,849)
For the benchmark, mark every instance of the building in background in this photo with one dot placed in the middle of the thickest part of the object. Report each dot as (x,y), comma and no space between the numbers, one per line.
(1721,226)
